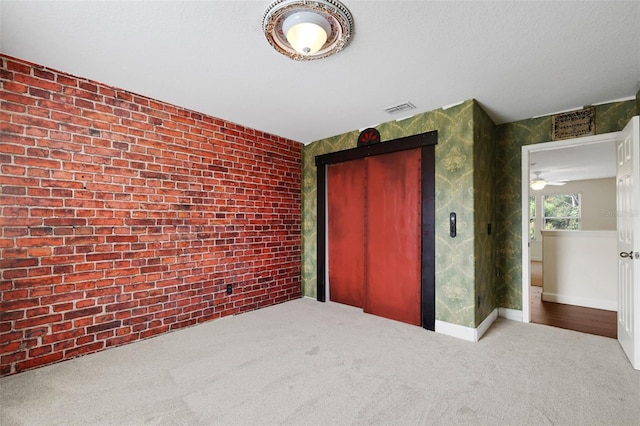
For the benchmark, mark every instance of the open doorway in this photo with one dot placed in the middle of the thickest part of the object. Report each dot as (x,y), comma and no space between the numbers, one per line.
(574,162)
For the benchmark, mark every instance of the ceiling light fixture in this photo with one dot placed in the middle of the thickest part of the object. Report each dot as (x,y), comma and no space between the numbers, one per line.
(538,183)
(307,29)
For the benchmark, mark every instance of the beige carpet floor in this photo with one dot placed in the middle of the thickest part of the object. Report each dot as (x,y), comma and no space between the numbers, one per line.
(310,363)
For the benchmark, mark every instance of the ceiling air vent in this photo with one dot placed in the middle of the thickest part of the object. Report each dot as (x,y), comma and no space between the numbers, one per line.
(405,106)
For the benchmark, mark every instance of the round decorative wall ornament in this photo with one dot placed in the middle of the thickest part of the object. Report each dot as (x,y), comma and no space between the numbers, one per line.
(368,137)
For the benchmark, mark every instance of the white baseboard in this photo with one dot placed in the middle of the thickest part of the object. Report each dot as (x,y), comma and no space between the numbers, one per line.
(467,333)
(607,305)
(484,325)
(510,314)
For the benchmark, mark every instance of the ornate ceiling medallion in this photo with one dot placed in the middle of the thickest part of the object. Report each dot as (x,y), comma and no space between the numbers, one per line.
(305,30)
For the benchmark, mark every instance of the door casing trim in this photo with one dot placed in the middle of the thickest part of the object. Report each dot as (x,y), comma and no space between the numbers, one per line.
(526,151)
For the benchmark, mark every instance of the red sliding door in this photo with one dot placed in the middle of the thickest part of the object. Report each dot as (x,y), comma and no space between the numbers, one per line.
(393,255)
(374,234)
(345,203)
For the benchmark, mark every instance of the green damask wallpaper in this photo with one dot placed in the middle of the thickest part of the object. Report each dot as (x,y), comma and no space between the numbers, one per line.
(510,138)
(478,177)
(484,202)
(456,258)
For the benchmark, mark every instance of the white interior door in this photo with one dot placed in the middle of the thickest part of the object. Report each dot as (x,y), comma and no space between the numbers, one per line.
(628,214)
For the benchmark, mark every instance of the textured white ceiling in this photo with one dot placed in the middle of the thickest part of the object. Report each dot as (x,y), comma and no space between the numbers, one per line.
(589,161)
(518,59)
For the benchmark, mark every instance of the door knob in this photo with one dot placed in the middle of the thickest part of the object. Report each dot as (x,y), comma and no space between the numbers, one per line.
(625,254)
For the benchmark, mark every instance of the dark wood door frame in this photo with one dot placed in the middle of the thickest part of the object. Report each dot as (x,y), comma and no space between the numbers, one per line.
(425,141)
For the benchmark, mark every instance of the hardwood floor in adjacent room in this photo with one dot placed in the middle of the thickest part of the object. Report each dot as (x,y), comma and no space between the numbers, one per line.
(571,317)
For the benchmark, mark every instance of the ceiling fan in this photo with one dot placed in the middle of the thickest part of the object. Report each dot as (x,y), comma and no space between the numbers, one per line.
(539,182)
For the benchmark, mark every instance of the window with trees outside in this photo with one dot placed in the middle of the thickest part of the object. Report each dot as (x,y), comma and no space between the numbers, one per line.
(532,217)
(561,211)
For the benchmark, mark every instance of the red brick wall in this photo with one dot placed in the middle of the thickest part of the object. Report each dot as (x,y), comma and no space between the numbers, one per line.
(123,217)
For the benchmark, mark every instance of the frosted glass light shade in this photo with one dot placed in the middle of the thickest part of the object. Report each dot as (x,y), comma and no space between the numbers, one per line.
(307,32)
(537,185)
